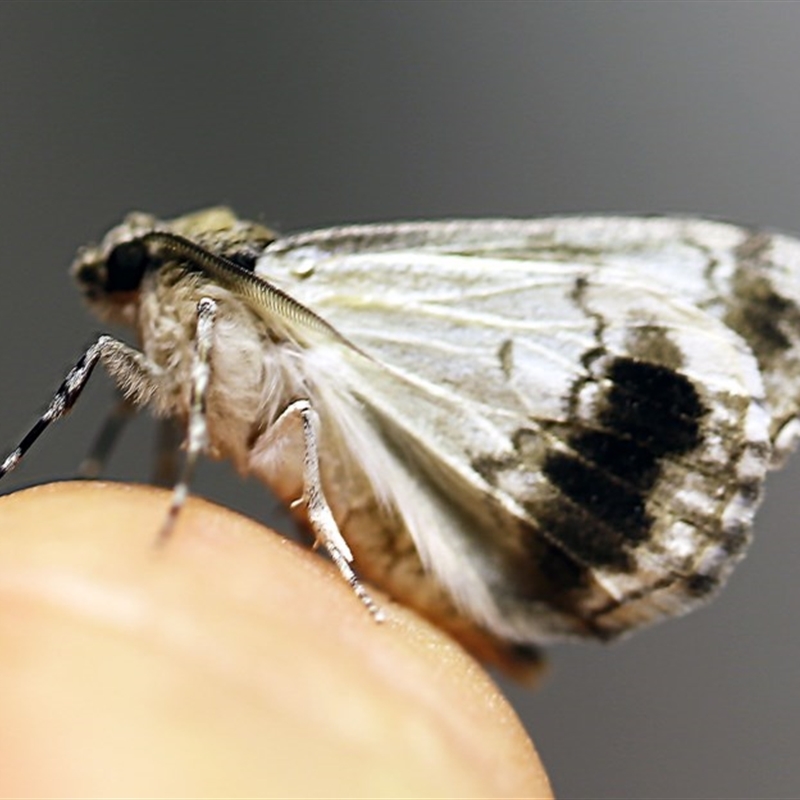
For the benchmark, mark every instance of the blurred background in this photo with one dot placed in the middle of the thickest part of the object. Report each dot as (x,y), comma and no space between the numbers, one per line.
(303,114)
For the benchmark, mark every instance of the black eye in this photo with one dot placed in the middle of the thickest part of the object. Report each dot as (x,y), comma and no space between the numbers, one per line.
(126,265)
(246,259)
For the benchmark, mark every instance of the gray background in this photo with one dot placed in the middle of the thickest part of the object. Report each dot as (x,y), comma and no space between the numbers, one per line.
(304,114)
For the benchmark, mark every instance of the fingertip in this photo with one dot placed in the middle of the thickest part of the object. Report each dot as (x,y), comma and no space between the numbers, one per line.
(229,662)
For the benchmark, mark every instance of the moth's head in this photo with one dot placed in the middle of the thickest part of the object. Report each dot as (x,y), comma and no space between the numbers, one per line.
(110,275)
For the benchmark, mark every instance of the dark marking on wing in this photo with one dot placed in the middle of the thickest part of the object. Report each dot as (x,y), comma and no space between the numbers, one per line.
(761,316)
(606,513)
(768,321)
(562,572)
(578,296)
(652,343)
(505,353)
(700,585)
(654,405)
(600,471)
(750,490)
(624,458)
(647,413)
(488,467)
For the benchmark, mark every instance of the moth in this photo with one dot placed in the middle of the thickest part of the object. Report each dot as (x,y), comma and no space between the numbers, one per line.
(527,430)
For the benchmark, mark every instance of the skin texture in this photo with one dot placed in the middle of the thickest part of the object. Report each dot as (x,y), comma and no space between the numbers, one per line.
(230,662)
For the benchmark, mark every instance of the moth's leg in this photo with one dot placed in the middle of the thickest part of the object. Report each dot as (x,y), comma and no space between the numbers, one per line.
(197,433)
(106,440)
(168,443)
(320,517)
(130,368)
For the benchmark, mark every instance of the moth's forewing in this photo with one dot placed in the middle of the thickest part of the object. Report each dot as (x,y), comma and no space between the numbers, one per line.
(573,393)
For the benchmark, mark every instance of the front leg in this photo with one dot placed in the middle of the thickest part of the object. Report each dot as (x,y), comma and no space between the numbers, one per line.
(137,377)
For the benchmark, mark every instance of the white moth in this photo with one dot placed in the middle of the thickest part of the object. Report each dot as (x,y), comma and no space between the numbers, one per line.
(528,430)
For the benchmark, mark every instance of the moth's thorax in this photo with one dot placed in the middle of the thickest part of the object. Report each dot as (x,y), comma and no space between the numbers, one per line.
(253,375)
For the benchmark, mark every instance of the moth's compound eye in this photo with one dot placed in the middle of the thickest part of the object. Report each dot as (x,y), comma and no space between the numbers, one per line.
(246,259)
(126,265)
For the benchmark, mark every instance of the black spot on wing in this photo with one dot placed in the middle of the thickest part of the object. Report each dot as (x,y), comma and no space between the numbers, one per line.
(653,405)
(612,503)
(645,414)
(623,458)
